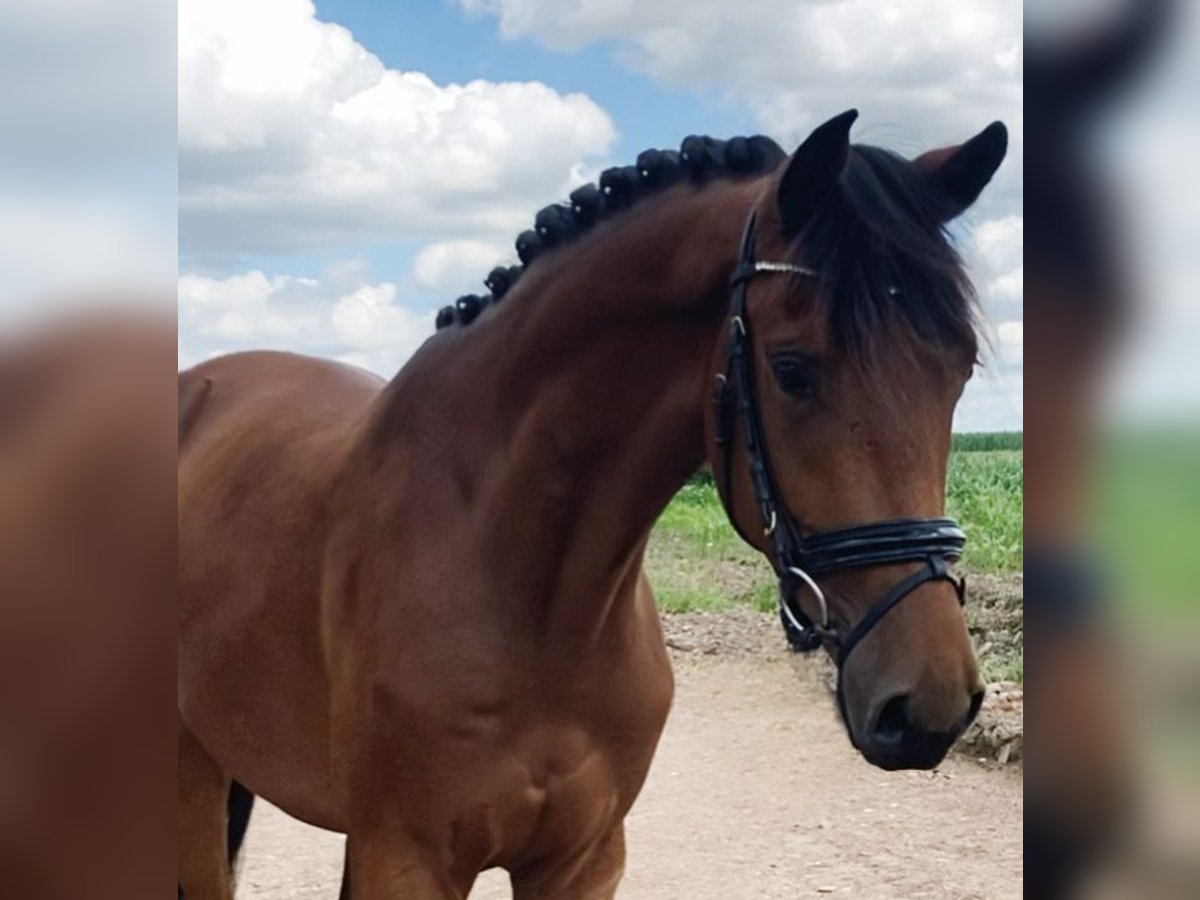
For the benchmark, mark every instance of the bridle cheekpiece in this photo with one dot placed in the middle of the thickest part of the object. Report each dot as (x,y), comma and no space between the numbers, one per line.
(800,559)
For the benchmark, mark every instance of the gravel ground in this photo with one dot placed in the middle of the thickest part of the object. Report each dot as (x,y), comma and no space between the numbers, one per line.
(756,793)
(997,734)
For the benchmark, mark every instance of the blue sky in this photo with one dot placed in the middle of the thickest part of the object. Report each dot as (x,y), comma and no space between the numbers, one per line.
(310,193)
(346,169)
(449,45)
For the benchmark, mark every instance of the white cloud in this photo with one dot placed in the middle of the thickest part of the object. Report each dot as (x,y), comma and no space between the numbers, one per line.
(927,68)
(457,267)
(994,398)
(335,315)
(991,402)
(997,245)
(292,135)
(1012,340)
(995,261)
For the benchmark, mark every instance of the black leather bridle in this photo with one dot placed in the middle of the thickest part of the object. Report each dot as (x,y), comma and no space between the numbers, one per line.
(800,559)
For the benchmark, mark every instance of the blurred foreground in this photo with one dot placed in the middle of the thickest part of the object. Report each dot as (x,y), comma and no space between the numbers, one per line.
(87,618)
(87,449)
(1112,450)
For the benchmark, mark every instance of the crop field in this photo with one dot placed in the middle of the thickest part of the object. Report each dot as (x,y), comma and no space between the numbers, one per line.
(697,563)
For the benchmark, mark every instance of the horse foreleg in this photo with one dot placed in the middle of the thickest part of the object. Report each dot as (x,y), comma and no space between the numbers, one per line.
(204,872)
(388,866)
(591,875)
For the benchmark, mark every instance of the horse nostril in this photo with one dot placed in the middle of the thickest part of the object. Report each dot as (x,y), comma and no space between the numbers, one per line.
(892,722)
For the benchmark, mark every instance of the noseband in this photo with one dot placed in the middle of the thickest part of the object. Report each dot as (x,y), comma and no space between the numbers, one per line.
(800,559)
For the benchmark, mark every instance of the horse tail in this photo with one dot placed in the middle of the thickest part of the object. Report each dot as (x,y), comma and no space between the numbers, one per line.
(241,802)
(193,391)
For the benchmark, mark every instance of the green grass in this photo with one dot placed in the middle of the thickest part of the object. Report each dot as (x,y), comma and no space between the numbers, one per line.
(988,440)
(984,492)
(696,561)
(697,517)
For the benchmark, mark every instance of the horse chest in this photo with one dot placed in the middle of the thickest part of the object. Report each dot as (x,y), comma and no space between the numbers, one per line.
(518,769)
(555,790)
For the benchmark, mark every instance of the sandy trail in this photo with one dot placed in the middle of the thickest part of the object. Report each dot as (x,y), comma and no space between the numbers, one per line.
(755,793)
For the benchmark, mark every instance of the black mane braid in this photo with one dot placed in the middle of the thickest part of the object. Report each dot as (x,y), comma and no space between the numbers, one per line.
(699,159)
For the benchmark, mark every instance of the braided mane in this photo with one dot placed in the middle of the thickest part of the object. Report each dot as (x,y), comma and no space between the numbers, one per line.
(699,159)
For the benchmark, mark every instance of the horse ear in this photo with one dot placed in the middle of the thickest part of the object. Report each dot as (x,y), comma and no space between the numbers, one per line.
(813,171)
(1073,77)
(960,173)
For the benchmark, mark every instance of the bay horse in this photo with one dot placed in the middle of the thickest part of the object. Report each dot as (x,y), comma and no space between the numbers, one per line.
(416,613)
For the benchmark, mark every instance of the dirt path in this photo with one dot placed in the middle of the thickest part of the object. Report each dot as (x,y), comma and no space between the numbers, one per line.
(755,793)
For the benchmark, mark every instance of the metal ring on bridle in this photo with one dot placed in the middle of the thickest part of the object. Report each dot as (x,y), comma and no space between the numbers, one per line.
(817,592)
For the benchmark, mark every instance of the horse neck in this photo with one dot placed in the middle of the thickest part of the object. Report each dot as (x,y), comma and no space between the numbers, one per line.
(598,374)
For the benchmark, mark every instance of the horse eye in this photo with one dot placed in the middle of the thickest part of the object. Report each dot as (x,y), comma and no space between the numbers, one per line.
(795,375)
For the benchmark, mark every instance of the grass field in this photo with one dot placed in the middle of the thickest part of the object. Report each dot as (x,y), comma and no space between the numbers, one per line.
(988,440)
(697,563)
(984,492)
